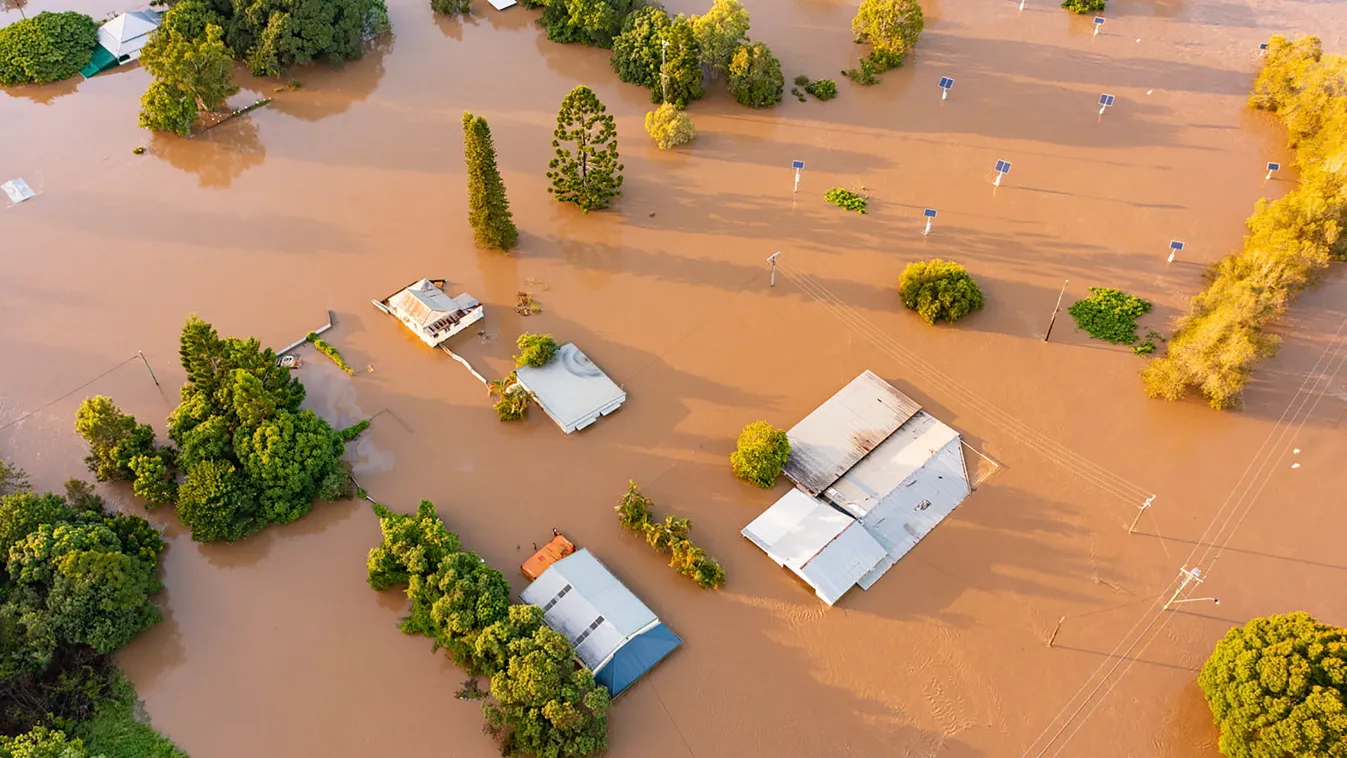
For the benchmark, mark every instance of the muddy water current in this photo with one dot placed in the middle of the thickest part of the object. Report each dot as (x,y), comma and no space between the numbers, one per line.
(352,186)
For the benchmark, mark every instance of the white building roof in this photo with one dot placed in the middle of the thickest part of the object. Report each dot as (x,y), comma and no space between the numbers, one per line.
(571,389)
(128,32)
(425,304)
(584,601)
(837,434)
(825,547)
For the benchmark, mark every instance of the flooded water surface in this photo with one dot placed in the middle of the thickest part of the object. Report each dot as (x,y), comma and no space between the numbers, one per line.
(353,185)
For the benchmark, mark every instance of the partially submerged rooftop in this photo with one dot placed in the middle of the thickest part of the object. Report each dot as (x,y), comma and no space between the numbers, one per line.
(571,389)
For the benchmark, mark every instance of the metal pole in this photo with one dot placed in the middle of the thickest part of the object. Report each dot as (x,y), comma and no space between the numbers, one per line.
(1131,529)
(1055,630)
(147,368)
(663,68)
(1055,309)
(928,227)
(797,180)
(772,260)
(1189,576)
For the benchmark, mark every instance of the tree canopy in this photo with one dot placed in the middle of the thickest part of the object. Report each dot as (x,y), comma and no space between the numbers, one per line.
(720,32)
(488,208)
(660,53)
(755,76)
(938,290)
(1277,688)
(891,28)
(669,127)
(196,70)
(585,170)
(672,535)
(46,48)
(761,454)
(588,22)
(536,350)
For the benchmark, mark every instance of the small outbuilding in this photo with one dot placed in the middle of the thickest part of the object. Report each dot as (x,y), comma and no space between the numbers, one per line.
(873,471)
(571,389)
(429,313)
(559,547)
(120,40)
(614,633)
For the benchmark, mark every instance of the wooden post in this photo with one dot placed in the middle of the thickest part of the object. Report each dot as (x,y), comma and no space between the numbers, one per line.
(1055,630)
(147,368)
(1055,309)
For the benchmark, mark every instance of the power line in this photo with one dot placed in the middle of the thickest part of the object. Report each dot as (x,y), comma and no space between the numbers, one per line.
(68,394)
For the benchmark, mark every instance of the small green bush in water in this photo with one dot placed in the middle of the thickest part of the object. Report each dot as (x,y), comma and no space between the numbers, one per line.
(329,351)
(354,430)
(939,290)
(845,198)
(46,48)
(1085,6)
(761,454)
(1110,315)
(511,398)
(536,350)
(823,89)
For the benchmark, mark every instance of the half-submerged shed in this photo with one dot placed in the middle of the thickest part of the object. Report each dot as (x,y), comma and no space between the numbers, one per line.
(613,632)
(571,389)
(429,313)
(120,40)
(869,462)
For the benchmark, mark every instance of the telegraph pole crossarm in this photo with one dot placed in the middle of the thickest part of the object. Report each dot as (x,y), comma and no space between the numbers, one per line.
(772,260)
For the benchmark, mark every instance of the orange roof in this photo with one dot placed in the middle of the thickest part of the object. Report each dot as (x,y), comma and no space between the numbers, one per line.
(558,548)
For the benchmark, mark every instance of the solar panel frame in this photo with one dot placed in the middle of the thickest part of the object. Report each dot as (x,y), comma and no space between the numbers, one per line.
(946,82)
(1003,167)
(797,164)
(1098,20)
(1106,100)
(1274,166)
(1175,245)
(1262,45)
(929,213)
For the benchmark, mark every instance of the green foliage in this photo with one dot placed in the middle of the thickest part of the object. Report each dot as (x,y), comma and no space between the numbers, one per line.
(755,76)
(451,7)
(891,28)
(720,32)
(846,199)
(23,512)
(634,512)
(939,290)
(454,605)
(640,56)
(1085,6)
(823,89)
(46,48)
(511,398)
(536,350)
(1110,315)
(274,35)
(412,545)
(669,126)
(1291,240)
(115,731)
(114,438)
(167,108)
(155,481)
(331,352)
(802,81)
(761,454)
(12,479)
(585,170)
(354,430)
(41,742)
(287,458)
(588,22)
(200,66)
(488,208)
(1144,348)
(217,502)
(1277,686)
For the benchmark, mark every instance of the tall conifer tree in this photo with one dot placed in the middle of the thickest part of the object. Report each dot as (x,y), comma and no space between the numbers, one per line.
(488,209)
(589,175)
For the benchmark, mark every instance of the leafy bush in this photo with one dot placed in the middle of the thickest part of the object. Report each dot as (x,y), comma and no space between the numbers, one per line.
(588,22)
(823,89)
(720,32)
(669,126)
(1215,348)
(511,398)
(671,536)
(354,430)
(48,47)
(1085,6)
(1110,315)
(892,28)
(801,81)
(939,290)
(115,439)
(661,54)
(755,76)
(536,350)
(1277,686)
(329,351)
(117,731)
(845,198)
(451,7)
(761,454)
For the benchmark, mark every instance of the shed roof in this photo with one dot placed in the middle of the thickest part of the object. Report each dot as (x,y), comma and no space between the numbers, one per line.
(892,464)
(837,434)
(426,304)
(128,32)
(570,388)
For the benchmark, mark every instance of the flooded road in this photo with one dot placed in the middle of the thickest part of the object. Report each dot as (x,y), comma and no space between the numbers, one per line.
(353,186)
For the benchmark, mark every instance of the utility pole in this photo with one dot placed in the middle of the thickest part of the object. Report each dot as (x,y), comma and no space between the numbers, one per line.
(1055,309)
(147,368)
(1190,576)
(663,69)
(772,260)
(1131,529)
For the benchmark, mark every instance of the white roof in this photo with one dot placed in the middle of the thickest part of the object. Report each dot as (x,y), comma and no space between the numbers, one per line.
(825,547)
(837,434)
(571,389)
(594,595)
(128,32)
(501,5)
(425,304)
(891,464)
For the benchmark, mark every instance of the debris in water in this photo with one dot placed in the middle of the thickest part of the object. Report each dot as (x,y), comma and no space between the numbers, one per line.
(1295,465)
(140,150)
(536,282)
(527,305)
(1295,452)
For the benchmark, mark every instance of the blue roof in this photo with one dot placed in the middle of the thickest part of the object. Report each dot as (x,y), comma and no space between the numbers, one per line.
(636,657)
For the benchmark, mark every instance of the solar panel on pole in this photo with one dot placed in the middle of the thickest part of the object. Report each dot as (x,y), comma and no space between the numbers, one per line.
(797,165)
(929,213)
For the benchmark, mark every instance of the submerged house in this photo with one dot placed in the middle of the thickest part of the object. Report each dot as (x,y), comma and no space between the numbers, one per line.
(614,633)
(874,475)
(432,315)
(571,389)
(120,40)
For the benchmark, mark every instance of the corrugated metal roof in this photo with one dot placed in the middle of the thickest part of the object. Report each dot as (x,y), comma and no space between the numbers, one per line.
(891,465)
(571,389)
(837,434)
(844,562)
(905,515)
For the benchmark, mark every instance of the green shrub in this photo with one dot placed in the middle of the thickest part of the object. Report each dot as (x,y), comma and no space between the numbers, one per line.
(892,28)
(1110,315)
(761,454)
(801,81)
(669,126)
(511,398)
(634,512)
(48,47)
(939,290)
(354,430)
(845,198)
(823,89)
(329,351)
(755,76)
(1085,6)
(536,350)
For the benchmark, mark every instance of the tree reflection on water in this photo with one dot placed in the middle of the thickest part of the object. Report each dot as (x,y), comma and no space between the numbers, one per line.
(217,156)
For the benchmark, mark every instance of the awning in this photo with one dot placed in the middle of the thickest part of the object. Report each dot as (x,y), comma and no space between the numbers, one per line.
(102,61)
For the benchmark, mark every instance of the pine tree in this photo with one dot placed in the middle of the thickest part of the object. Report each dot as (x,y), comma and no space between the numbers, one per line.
(488,208)
(590,175)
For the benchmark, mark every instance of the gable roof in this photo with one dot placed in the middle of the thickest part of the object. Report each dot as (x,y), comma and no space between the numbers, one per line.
(128,32)
(839,433)
(425,304)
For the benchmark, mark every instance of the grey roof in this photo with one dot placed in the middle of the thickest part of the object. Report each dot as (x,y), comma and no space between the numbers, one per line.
(128,32)
(571,389)
(427,304)
(594,594)
(839,433)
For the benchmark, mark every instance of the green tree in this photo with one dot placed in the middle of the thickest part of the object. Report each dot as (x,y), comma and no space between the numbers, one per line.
(288,458)
(451,7)
(488,209)
(720,33)
(155,480)
(46,48)
(669,126)
(588,22)
(12,479)
(891,28)
(939,290)
(217,503)
(660,53)
(41,742)
(413,545)
(1085,6)
(546,705)
(23,512)
(202,67)
(585,170)
(755,76)
(274,35)
(536,350)
(633,510)
(453,605)
(491,651)
(114,438)
(1110,315)
(167,108)
(761,454)
(1277,687)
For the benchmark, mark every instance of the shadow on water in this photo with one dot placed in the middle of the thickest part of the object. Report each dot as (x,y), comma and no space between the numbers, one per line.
(329,90)
(44,94)
(218,156)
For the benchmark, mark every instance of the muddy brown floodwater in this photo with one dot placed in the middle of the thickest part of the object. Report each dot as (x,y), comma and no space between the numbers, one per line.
(353,186)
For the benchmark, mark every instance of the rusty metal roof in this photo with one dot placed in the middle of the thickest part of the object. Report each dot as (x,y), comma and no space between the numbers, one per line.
(842,431)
